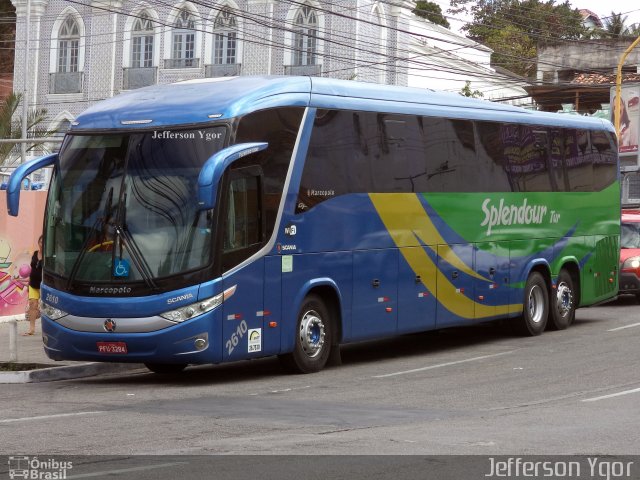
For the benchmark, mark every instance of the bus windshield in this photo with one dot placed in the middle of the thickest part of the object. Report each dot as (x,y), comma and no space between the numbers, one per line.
(123,207)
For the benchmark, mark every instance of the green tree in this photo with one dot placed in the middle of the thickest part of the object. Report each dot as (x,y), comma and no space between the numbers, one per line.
(11,126)
(614,26)
(514,29)
(467,92)
(634,30)
(431,11)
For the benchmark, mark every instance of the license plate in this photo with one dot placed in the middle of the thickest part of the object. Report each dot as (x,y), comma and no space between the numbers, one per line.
(112,347)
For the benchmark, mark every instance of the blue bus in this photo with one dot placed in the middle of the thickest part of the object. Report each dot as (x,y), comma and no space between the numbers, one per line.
(218,220)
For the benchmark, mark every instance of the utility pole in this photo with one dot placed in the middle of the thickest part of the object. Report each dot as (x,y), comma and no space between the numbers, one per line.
(618,105)
(25,95)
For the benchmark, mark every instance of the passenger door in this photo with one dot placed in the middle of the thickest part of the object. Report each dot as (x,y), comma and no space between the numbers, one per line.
(242,236)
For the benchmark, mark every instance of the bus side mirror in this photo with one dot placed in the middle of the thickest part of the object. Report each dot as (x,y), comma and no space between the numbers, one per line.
(15,181)
(214,168)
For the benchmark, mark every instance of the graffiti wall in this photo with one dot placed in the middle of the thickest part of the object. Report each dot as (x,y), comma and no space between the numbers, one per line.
(18,240)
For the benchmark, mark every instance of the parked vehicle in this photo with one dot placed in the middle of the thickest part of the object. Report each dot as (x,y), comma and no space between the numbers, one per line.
(215,221)
(630,253)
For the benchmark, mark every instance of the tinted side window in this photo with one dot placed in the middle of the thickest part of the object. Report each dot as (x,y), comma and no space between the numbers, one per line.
(337,159)
(579,160)
(558,167)
(450,154)
(399,160)
(360,152)
(605,163)
(279,127)
(491,157)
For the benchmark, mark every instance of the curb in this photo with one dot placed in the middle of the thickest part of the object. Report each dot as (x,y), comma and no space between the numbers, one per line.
(67,373)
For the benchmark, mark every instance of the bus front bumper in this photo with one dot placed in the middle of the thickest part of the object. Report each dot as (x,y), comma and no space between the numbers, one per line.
(184,343)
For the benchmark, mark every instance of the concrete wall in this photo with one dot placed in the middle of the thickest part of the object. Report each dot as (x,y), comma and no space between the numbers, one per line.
(601,54)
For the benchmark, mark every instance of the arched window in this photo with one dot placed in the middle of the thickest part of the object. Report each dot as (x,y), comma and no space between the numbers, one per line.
(305,35)
(68,46)
(225,38)
(142,42)
(184,40)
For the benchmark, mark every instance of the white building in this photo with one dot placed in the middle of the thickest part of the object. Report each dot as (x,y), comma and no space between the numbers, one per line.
(83,51)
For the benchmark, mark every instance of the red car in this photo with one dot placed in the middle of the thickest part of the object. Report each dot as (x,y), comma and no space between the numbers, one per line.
(630,253)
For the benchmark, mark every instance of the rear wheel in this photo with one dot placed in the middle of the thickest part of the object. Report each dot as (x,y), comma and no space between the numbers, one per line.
(535,310)
(563,304)
(166,368)
(314,334)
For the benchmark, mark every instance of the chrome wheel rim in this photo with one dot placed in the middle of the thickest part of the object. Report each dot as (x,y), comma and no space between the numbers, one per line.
(536,304)
(564,299)
(311,334)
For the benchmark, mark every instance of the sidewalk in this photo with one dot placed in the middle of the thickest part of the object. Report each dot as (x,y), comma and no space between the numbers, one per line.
(31,350)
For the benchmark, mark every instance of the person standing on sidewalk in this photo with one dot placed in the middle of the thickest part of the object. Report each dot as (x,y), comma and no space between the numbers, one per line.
(35,278)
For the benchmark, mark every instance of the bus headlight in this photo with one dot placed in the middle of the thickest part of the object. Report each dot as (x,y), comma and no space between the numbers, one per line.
(194,310)
(52,313)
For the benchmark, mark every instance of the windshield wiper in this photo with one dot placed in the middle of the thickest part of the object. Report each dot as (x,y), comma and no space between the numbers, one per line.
(106,213)
(130,244)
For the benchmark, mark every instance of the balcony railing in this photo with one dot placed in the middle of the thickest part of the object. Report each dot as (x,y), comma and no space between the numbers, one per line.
(139,77)
(226,70)
(67,82)
(182,63)
(308,70)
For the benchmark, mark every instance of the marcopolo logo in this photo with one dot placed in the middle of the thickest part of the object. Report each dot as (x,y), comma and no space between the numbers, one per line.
(510,214)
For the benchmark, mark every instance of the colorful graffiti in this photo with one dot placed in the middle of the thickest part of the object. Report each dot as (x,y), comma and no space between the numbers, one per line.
(18,240)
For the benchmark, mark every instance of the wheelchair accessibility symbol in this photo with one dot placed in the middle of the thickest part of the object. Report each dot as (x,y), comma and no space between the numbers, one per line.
(121,268)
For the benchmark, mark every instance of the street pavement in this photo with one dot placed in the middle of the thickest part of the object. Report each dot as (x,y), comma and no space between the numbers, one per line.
(477,390)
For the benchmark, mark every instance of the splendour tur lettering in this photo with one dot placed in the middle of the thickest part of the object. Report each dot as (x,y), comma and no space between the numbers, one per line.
(511,214)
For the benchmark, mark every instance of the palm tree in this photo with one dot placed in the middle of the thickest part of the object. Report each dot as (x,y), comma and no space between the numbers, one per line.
(634,30)
(614,26)
(11,126)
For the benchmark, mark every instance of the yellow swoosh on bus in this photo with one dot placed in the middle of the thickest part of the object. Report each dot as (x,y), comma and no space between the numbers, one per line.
(405,219)
(404,216)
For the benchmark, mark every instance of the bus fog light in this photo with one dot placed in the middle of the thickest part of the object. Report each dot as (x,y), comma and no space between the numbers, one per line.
(200,343)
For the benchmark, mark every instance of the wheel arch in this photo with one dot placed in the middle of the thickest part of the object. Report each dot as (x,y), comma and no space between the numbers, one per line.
(572,266)
(542,267)
(327,289)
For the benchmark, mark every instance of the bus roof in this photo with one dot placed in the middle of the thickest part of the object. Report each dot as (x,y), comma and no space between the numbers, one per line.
(205,100)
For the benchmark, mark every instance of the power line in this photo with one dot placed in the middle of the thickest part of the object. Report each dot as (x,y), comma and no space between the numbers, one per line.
(271,23)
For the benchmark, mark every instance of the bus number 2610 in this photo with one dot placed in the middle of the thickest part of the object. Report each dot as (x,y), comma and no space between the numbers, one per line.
(236,337)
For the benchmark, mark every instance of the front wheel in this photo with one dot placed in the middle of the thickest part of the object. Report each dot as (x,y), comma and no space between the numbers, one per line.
(563,304)
(314,334)
(166,368)
(535,310)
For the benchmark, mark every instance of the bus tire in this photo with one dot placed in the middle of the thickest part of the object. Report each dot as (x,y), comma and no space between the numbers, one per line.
(166,368)
(535,309)
(563,303)
(314,335)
